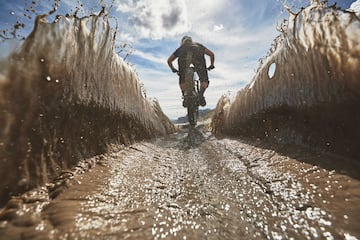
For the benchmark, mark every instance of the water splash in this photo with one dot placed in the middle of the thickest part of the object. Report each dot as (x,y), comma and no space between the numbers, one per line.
(65,94)
(314,93)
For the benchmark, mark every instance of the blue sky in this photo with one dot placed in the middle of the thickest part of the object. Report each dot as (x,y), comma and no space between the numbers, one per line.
(239,32)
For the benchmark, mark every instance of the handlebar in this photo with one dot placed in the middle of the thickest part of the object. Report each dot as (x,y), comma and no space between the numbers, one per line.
(174,70)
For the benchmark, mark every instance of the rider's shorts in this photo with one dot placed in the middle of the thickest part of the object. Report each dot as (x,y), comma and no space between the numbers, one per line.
(202,73)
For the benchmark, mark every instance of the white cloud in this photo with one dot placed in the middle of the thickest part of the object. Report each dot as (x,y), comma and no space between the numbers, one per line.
(156,19)
(150,57)
(218,28)
(355,6)
(125,37)
(201,11)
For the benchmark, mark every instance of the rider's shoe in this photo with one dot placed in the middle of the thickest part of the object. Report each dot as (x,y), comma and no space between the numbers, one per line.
(202,101)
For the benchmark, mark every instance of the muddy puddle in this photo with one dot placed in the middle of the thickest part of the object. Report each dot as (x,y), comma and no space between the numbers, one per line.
(219,189)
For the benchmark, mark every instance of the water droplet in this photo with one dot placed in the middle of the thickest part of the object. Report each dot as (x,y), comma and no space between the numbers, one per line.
(48,78)
(57,80)
(346,217)
(12,13)
(42,60)
(40,227)
(227,207)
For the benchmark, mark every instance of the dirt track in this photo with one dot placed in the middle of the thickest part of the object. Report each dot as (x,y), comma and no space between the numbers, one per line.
(219,189)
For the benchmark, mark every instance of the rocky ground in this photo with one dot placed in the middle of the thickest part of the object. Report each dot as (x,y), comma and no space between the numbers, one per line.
(216,189)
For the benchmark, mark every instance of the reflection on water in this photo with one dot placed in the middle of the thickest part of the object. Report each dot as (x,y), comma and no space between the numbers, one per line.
(221,189)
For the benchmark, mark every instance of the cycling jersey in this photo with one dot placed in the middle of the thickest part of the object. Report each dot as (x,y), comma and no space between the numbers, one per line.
(193,53)
(197,51)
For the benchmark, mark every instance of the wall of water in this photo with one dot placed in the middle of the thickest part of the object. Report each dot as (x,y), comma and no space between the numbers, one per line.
(313,95)
(65,95)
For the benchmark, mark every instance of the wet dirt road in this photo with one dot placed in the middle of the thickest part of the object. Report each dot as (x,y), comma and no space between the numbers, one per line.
(219,189)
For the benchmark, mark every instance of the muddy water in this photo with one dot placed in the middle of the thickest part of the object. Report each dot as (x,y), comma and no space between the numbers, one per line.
(220,189)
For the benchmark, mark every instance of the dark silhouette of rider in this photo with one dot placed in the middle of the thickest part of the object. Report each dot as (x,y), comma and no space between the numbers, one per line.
(193,53)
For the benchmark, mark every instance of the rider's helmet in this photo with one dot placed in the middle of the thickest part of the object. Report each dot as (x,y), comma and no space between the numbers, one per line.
(186,40)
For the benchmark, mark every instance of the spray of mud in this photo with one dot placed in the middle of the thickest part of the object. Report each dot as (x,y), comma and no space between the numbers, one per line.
(65,95)
(307,89)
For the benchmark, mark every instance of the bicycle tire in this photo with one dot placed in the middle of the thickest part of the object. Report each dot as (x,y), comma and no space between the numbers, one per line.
(192,112)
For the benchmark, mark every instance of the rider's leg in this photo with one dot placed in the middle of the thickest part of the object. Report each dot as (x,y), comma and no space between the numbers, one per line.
(203,86)
(204,80)
(204,83)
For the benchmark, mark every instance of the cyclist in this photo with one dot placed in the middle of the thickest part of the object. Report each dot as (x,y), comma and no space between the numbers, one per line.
(194,53)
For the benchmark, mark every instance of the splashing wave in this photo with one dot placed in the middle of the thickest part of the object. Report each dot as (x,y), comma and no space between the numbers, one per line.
(313,95)
(64,95)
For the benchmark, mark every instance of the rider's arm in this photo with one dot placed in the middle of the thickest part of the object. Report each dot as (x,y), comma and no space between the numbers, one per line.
(211,55)
(170,62)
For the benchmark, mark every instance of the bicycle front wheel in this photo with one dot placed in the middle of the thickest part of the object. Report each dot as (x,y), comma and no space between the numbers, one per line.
(192,112)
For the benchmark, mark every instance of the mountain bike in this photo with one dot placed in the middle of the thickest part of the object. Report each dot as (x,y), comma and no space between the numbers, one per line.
(192,103)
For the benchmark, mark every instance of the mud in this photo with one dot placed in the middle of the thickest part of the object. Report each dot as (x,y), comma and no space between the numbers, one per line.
(217,189)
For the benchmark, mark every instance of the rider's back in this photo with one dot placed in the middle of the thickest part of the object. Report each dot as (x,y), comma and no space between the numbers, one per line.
(195,51)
